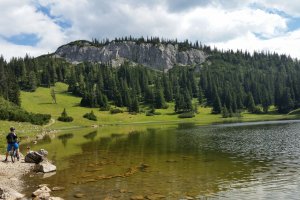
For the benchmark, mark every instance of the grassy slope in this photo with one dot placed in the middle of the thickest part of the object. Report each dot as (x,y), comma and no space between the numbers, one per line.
(41,102)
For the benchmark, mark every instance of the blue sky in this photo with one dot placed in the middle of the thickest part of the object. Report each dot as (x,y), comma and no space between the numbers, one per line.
(40,26)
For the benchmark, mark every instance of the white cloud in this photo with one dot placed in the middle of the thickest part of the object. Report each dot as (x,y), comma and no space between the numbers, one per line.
(291,7)
(21,17)
(286,44)
(202,23)
(218,22)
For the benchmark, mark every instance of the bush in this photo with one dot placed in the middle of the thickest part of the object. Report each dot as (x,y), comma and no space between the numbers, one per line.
(149,114)
(186,115)
(133,113)
(40,119)
(165,106)
(257,110)
(116,111)
(11,112)
(152,112)
(64,117)
(104,108)
(90,116)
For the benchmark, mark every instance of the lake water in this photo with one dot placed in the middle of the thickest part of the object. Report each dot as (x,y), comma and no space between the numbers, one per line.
(236,161)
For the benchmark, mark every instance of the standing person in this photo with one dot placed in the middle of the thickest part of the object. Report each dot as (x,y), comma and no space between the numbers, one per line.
(12,142)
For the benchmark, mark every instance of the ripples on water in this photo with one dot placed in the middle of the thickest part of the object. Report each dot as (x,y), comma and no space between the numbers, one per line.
(256,161)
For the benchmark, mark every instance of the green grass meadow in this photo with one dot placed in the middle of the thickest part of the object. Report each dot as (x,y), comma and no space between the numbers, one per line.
(41,102)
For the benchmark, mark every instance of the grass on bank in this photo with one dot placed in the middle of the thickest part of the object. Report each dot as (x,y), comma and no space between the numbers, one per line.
(41,102)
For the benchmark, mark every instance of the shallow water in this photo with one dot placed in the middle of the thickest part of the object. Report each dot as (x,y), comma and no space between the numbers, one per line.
(238,161)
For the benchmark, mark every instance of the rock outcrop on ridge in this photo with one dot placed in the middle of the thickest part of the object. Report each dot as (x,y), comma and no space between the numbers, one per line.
(157,56)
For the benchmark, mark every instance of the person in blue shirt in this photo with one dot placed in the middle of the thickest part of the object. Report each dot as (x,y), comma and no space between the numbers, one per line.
(12,142)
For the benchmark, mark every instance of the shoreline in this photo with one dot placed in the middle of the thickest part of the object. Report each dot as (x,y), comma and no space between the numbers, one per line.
(11,174)
(191,120)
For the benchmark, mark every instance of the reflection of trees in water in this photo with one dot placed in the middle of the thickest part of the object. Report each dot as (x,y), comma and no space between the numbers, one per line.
(181,154)
(65,137)
(47,139)
(91,135)
(187,125)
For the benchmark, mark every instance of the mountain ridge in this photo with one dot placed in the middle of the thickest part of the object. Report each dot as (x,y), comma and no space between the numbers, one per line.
(162,56)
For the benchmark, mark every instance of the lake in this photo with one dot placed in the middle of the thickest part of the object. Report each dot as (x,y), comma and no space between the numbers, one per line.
(233,161)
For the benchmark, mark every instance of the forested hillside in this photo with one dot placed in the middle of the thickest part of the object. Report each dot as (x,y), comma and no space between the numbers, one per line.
(227,81)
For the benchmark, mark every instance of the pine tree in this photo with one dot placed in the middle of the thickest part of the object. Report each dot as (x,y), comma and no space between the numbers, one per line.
(225,113)
(53,95)
(167,89)
(286,102)
(179,103)
(159,101)
(32,82)
(217,105)
(250,103)
(200,96)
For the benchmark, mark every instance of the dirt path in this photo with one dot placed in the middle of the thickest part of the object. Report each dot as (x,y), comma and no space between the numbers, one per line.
(52,121)
(10,177)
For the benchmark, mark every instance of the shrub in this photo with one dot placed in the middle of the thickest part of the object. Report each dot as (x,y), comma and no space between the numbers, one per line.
(152,112)
(64,117)
(116,111)
(12,112)
(104,108)
(149,114)
(90,116)
(133,113)
(257,110)
(165,106)
(186,115)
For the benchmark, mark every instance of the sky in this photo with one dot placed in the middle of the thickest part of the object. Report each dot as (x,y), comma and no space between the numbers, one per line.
(37,27)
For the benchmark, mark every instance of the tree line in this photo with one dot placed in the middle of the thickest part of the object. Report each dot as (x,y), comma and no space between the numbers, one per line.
(228,81)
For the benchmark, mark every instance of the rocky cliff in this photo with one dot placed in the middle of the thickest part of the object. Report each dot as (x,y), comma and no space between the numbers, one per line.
(158,56)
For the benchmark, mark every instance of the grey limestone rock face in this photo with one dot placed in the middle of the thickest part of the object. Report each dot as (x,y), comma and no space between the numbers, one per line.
(160,56)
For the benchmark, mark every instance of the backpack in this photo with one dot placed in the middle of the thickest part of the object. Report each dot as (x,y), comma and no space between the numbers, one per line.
(11,138)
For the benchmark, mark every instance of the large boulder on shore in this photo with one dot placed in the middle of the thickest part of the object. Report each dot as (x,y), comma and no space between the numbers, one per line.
(42,192)
(45,167)
(34,157)
(43,152)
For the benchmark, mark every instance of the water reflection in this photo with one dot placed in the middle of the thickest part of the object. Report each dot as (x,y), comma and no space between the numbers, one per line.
(65,137)
(91,135)
(177,162)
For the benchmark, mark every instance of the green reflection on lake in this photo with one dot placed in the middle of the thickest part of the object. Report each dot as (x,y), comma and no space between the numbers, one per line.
(173,162)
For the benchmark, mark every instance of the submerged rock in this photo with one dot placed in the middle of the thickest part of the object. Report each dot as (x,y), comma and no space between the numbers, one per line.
(55,198)
(137,197)
(79,195)
(155,196)
(58,188)
(48,175)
